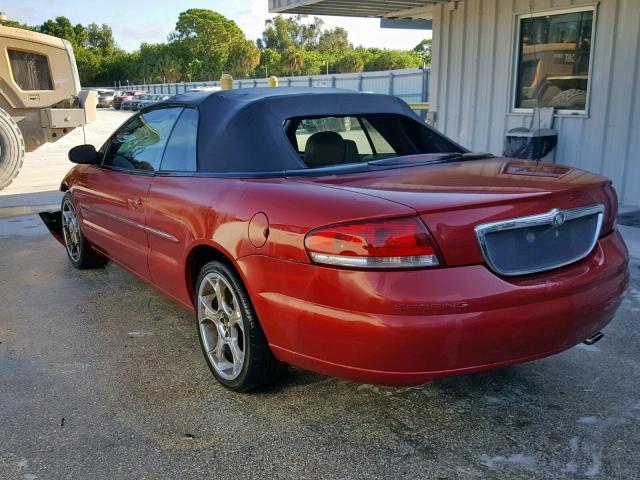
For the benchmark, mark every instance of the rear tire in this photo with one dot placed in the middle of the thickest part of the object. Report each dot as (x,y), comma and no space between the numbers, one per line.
(80,252)
(11,149)
(231,338)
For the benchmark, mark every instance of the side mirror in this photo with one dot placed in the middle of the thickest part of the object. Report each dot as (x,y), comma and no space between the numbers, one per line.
(84,155)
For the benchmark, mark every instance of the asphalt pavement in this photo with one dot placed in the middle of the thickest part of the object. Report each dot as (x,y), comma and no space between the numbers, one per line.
(101,376)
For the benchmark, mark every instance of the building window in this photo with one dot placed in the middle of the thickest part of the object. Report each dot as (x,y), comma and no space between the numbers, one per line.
(554,58)
(30,71)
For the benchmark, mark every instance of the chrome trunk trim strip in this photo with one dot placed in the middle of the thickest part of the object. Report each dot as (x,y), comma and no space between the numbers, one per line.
(554,217)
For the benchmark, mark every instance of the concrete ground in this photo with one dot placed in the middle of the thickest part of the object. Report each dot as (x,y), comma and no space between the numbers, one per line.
(44,168)
(101,376)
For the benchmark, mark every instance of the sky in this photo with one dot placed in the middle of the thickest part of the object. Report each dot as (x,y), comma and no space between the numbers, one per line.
(152,20)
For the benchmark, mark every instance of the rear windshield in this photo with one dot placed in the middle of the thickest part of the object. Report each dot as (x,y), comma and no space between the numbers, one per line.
(339,140)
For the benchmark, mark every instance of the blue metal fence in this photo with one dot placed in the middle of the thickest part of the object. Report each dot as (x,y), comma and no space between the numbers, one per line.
(412,85)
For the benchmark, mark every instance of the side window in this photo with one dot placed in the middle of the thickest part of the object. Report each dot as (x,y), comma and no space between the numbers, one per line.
(30,71)
(180,154)
(140,143)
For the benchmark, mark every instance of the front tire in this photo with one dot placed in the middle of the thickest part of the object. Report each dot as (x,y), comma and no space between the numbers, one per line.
(80,252)
(232,341)
(11,149)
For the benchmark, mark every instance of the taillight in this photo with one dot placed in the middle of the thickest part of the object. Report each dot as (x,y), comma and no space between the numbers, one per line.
(396,243)
(611,211)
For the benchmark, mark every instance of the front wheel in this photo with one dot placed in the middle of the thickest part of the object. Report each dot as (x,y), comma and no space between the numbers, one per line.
(80,252)
(231,338)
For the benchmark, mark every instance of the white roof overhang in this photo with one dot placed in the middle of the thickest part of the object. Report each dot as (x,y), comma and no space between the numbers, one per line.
(395,9)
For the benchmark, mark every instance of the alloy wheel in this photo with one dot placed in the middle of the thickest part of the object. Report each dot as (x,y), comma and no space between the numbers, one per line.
(221,326)
(71,231)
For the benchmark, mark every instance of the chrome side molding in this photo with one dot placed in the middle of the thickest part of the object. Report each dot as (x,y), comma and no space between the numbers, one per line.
(131,223)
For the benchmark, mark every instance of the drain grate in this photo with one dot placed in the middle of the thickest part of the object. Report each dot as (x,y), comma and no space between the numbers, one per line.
(630,219)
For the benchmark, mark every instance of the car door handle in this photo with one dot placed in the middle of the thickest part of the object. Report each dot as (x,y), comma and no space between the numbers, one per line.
(134,202)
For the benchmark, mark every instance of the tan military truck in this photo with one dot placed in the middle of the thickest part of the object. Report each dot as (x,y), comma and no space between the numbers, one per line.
(40,96)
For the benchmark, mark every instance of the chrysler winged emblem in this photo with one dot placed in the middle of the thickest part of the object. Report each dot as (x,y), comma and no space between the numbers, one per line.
(558,219)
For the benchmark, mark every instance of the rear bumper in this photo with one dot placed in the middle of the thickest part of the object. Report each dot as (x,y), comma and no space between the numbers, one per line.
(403,328)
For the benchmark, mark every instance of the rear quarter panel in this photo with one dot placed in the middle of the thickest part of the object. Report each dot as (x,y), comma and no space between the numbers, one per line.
(217,211)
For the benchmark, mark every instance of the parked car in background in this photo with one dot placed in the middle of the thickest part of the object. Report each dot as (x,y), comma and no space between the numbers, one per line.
(204,89)
(148,100)
(128,95)
(384,254)
(105,99)
(129,104)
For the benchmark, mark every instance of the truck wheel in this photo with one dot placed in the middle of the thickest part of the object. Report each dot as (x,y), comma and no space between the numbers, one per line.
(11,149)
(573,98)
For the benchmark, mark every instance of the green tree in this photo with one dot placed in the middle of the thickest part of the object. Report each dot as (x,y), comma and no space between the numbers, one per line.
(309,33)
(314,62)
(270,63)
(205,44)
(170,63)
(61,27)
(279,34)
(14,24)
(293,61)
(334,41)
(213,39)
(350,62)
(244,57)
(283,33)
(393,59)
(118,67)
(424,49)
(101,38)
(90,66)
(194,69)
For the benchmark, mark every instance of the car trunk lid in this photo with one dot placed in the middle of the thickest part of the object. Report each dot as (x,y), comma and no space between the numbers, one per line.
(454,197)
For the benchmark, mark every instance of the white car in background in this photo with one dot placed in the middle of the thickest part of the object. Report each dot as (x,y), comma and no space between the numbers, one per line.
(204,89)
(105,98)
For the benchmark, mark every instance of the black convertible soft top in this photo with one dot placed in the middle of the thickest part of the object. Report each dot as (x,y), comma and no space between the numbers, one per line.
(242,130)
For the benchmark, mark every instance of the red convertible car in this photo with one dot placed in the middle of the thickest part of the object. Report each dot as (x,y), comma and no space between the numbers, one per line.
(334,231)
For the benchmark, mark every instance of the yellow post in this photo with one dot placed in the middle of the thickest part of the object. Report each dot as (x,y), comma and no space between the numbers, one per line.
(273,81)
(226,81)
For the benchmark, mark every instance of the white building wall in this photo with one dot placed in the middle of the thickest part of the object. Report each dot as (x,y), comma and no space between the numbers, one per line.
(474,44)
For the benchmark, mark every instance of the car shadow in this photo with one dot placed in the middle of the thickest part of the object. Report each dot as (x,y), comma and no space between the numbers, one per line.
(29,203)
(480,383)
